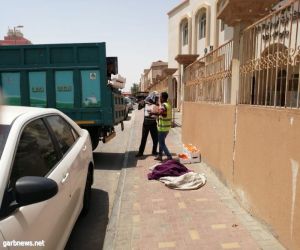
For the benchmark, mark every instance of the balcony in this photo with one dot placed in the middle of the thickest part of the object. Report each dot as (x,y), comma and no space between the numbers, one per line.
(186,60)
(233,12)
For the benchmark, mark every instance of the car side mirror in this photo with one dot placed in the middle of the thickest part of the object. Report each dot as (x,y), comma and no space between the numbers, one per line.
(34,189)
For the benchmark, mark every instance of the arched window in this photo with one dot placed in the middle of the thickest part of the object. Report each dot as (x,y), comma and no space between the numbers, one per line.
(202,26)
(185,33)
(222,25)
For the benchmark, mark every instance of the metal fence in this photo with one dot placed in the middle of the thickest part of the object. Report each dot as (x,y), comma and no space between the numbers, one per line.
(270,59)
(209,78)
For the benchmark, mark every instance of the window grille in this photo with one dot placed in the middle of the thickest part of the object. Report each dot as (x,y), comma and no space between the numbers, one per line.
(270,59)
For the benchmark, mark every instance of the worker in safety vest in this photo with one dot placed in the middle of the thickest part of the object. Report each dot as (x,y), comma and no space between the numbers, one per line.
(164,125)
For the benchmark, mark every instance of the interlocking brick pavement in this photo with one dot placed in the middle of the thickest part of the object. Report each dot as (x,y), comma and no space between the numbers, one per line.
(148,215)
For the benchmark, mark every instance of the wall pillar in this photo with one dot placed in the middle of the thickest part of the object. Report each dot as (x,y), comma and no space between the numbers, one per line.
(190,35)
(235,80)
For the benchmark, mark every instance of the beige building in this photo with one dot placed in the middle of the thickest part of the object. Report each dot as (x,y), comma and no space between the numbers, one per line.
(144,82)
(233,70)
(194,31)
(154,78)
(241,107)
(150,76)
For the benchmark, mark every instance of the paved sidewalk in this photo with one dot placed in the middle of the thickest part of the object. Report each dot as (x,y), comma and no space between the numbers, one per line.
(148,215)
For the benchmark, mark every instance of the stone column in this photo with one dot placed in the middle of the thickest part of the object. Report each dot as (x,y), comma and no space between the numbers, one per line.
(235,80)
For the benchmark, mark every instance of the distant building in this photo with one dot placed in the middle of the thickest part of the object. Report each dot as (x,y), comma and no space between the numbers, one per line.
(14,37)
(159,78)
(144,80)
(152,75)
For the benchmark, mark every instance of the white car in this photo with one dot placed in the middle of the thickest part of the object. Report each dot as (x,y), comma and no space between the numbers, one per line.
(46,173)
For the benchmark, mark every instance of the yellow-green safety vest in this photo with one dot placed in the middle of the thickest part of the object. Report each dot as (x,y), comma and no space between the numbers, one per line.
(164,123)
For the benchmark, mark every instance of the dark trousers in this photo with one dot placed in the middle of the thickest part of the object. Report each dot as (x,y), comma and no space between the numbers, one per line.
(152,128)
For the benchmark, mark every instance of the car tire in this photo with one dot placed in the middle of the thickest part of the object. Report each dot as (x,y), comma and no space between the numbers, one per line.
(87,194)
(94,135)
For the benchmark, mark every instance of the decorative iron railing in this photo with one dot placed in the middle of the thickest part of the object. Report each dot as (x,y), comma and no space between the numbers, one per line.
(209,78)
(269,71)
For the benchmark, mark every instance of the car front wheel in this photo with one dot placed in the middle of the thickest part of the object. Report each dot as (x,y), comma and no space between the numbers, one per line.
(87,194)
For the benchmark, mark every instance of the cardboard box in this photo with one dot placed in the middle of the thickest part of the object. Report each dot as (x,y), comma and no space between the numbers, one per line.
(195,159)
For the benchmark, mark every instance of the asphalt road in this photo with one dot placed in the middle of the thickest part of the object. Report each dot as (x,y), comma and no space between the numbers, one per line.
(89,231)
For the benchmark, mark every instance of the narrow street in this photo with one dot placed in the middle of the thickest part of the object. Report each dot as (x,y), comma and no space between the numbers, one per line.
(218,87)
(89,231)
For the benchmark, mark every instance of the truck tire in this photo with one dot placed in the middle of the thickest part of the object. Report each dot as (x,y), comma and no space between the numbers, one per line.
(94,134)
(95,142)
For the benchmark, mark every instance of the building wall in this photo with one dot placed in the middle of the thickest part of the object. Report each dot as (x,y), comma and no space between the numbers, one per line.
(200,47)
(174,33)
(190,10)
(225,35)
(267,157)
(211,128)
(255,151)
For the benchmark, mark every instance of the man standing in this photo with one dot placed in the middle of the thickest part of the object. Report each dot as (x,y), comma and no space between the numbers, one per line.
(164,125)
(149,124)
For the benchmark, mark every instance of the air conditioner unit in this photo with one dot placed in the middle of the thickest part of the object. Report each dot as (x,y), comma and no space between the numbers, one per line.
(205,51)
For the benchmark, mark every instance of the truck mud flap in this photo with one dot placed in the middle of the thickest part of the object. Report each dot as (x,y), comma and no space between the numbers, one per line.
(109,137)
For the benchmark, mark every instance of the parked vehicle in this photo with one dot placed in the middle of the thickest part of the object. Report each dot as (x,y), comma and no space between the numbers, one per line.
(126,106)
(133,100)
(129,103)
(70,77)
(46,173)
(141,95)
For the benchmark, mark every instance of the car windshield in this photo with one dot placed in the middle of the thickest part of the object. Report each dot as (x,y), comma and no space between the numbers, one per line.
(4,130)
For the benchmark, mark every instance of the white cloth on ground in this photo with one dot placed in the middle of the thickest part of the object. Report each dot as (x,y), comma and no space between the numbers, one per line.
(188,181)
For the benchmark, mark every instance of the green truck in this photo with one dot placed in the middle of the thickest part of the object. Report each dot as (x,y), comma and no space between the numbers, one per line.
(73,78)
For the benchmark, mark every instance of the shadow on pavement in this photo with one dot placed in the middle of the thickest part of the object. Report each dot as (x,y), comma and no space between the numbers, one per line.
(89,231)
(128,118)
(114,161)
(108,161)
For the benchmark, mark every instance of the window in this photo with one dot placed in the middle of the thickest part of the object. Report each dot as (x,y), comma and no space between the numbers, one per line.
(185,34)
(4,130)
(62,131)
(222,25)
(36,154)
(202,26)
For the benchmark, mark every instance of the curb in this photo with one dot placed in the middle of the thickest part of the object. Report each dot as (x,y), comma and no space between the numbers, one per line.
(111,230)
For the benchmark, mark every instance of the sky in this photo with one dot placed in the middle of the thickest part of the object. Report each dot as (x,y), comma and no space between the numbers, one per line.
(136,31)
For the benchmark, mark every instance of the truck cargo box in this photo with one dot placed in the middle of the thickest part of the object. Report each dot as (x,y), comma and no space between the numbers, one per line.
(70,77)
